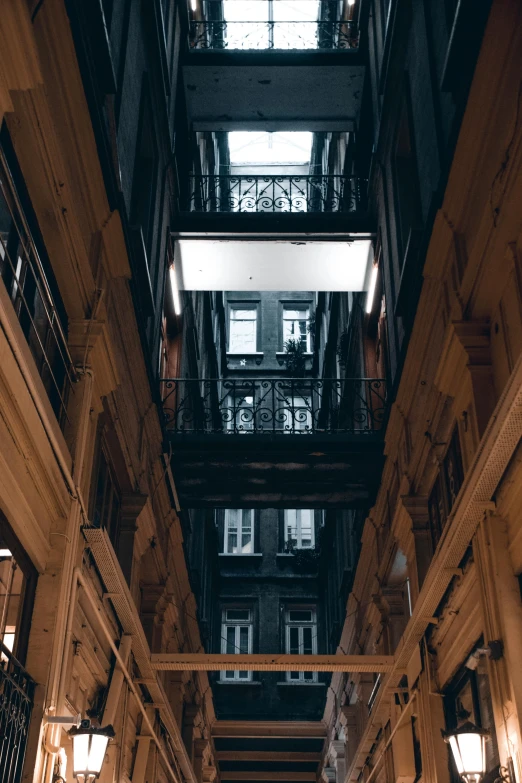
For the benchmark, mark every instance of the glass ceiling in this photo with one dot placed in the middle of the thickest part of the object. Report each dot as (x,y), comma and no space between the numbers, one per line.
(264,10)
(251,147)
(250,24)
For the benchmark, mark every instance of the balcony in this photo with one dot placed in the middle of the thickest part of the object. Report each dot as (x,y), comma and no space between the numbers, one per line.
(270,35)
(289,443)
(35,300)
(275,202)
(16,704)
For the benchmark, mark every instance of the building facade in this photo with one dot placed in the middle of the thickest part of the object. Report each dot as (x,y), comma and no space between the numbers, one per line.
(260,388)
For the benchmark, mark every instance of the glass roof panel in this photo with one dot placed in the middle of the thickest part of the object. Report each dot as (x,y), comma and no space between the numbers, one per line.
(261,147)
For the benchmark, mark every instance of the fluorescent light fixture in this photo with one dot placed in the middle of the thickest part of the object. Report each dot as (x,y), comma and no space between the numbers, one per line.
(5,553)
(176,299)
(194,4)
(371,290)
(351,2)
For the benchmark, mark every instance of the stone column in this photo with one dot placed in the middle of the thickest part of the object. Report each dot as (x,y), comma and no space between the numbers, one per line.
(337,758)
(191,719)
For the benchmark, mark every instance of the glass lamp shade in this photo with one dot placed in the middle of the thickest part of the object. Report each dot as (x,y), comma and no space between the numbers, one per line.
(89,748)
(468,745)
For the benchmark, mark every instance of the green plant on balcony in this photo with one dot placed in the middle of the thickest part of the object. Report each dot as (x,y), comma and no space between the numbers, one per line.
(295,358)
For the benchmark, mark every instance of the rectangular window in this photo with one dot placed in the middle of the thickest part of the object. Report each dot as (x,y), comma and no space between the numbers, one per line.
(295,326)
(240,413)
(243,330)
(236,638)
(106,501)
(297,414)
(17,588)
(299,528)
(301,638)
(239,531)
(445,489)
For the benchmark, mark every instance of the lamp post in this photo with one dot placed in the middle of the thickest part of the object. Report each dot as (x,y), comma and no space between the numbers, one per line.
(89,748)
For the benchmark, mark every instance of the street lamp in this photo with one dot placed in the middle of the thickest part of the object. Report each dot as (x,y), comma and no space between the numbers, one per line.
(89,748)
(468,745)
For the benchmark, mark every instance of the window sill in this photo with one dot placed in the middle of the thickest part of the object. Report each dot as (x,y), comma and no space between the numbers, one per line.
(256,683)
(242,354)
(240,554)
(302,682)
(292,554)
(306,354)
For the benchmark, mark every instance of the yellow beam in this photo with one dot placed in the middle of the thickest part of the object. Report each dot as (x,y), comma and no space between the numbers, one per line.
(212,662)
(266,729)
(266,755)
(272,775)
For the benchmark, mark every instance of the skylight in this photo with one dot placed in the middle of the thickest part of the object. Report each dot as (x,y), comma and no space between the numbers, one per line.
(251,147)
(251,24)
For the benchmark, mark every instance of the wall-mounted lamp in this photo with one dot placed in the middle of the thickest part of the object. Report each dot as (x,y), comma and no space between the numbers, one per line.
(468,746)
(89,748)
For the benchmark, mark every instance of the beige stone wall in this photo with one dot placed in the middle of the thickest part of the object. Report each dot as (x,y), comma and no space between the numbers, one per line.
(463,370)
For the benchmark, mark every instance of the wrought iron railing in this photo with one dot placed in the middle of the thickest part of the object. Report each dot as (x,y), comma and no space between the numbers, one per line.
(275,193)
(296,406)
(24,277)
(16,704)
(288,35)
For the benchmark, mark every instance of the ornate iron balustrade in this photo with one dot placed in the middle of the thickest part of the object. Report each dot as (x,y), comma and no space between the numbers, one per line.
(296,406)
(22,272)
(275,193)
(16,704)
(221,34)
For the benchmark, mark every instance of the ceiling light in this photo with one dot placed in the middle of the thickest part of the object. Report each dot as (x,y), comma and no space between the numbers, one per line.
(176,299)
(371,289)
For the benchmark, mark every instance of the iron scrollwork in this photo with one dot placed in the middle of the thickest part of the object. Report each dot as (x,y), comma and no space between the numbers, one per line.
(283,406)
(287,35)
(275,193)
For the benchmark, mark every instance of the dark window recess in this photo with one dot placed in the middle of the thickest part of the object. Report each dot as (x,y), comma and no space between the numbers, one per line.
(106,502)
(469,699)
(445,489)
(30,284)
(416,748)
(406,183)
(145,174)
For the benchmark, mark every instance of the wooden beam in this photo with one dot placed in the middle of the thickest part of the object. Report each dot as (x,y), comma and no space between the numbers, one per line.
(272,775)
(269,729)
(266,755)
(212,662)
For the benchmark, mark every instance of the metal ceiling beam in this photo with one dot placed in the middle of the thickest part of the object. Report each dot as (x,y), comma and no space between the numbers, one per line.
(255,729)
(271,775)
(380,664)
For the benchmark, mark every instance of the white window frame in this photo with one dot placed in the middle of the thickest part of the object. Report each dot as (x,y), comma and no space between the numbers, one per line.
(293,420)
(299,527)
(236,675)
(301,677)
(236,404)
(252,308)
(305,310)
(241,524)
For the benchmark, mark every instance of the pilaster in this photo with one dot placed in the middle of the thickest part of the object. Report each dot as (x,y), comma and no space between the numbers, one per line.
(417,508)
(132,505)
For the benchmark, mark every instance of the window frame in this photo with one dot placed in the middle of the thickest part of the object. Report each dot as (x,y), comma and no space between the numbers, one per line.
(299,531)
(302,678)
(304,307)
(237,625)
(240,530)
(236,306)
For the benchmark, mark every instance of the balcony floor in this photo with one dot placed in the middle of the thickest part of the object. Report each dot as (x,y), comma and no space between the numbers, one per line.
(280,471)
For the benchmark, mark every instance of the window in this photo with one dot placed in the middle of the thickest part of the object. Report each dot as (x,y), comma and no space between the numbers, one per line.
(301,639)
(106,503)
(445,489)
(145,173)
(297,414)
(243,330)
(17,586)
(469,699)
(240,413)
(239,531)
(406,181)
(299,528)
(236,637)
(295,326)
